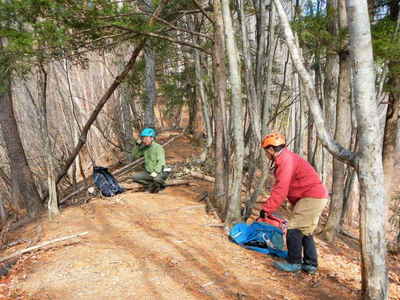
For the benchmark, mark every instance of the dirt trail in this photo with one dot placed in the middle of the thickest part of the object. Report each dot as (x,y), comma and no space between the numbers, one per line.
(158,246)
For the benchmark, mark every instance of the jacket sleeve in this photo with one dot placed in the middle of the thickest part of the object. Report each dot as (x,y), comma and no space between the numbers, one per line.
(156,160)
(283,176)
(137,151)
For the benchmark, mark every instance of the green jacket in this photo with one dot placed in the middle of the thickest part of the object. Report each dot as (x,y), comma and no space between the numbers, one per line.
(154,156)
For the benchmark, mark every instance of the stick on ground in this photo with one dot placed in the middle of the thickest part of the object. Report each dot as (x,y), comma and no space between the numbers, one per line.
(23,251)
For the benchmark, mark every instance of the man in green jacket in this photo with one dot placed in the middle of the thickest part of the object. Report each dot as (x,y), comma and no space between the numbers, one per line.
(155,173)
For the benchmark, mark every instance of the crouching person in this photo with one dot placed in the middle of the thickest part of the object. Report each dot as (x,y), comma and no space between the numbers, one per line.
(296,180)
(155,172)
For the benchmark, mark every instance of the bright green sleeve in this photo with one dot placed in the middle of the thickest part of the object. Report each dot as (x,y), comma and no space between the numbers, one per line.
(137,151)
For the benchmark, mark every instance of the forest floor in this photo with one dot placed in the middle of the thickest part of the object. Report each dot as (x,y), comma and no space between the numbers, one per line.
(161,246)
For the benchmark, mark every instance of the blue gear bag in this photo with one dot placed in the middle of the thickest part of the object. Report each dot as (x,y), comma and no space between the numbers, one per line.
(260,237)
(105,182)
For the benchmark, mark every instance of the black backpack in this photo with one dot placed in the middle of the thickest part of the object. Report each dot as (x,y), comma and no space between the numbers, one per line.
(105,182)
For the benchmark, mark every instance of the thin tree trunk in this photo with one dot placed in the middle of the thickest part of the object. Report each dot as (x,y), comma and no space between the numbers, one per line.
(342,136)
(205,106)
(233,212)
(267,103)
(219,72)
(150,87)
(331,84)
(255,121)
(52,203)
(393,110)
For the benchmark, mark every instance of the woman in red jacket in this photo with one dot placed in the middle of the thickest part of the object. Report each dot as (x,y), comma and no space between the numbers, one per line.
(297,181)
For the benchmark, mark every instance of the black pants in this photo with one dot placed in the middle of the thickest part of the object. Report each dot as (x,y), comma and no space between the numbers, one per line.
(301,248)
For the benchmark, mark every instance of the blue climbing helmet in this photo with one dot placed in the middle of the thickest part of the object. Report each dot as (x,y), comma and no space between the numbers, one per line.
(148,132)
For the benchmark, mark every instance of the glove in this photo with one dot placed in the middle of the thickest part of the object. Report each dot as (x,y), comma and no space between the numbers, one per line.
(262,214)
(153,174)
(138,142)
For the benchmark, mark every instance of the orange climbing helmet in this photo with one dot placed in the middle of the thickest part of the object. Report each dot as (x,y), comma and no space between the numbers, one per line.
(273,139)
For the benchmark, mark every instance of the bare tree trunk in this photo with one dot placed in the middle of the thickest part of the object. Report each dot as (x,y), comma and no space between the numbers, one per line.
(233,212)
(150,77)
(52,203)
(219,72)
(24,192)
(393,110)
(370,170)
(205,106)
(150,87)
(331,84)
(342,136)
(255,118)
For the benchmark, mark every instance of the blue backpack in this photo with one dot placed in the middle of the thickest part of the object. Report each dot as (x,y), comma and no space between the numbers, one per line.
(260,237)
(105,182)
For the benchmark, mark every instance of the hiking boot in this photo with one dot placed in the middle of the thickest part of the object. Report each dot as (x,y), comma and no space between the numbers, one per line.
(287,267)
(309,269)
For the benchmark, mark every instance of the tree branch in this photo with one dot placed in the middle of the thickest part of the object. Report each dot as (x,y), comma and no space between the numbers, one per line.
(163,37)
(204,12)
(23,251)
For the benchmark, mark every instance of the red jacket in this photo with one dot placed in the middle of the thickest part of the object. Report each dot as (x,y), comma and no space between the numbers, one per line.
(295,178)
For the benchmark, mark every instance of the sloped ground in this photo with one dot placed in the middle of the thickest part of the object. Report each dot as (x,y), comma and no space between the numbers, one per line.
(146,246)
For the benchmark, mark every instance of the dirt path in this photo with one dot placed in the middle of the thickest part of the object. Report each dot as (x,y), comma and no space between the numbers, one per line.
(146,246)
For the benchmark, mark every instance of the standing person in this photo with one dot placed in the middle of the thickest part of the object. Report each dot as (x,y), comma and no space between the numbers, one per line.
(296,180)
(154,175)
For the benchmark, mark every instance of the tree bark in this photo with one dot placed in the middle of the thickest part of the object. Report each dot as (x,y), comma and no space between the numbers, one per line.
(233,212)
(52,204)
(369,167)
(205,105)
(331,84)
(393,110)
(150,87)
(220,79)
(342,136)
(23,192)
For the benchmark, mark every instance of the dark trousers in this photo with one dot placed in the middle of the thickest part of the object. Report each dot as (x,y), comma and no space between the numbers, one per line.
(301,248)
(152,184)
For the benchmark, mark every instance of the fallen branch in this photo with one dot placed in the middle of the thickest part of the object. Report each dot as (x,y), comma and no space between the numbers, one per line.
(207,178)
(137,187)
(178,209)
(201,176)
(23,251)
(349,235)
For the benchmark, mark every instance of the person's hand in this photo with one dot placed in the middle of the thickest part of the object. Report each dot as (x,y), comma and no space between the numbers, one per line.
(263,214)
(153,174)
(138,141)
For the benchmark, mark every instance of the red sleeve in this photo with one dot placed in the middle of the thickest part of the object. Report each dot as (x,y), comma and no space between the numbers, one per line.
(283,176)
